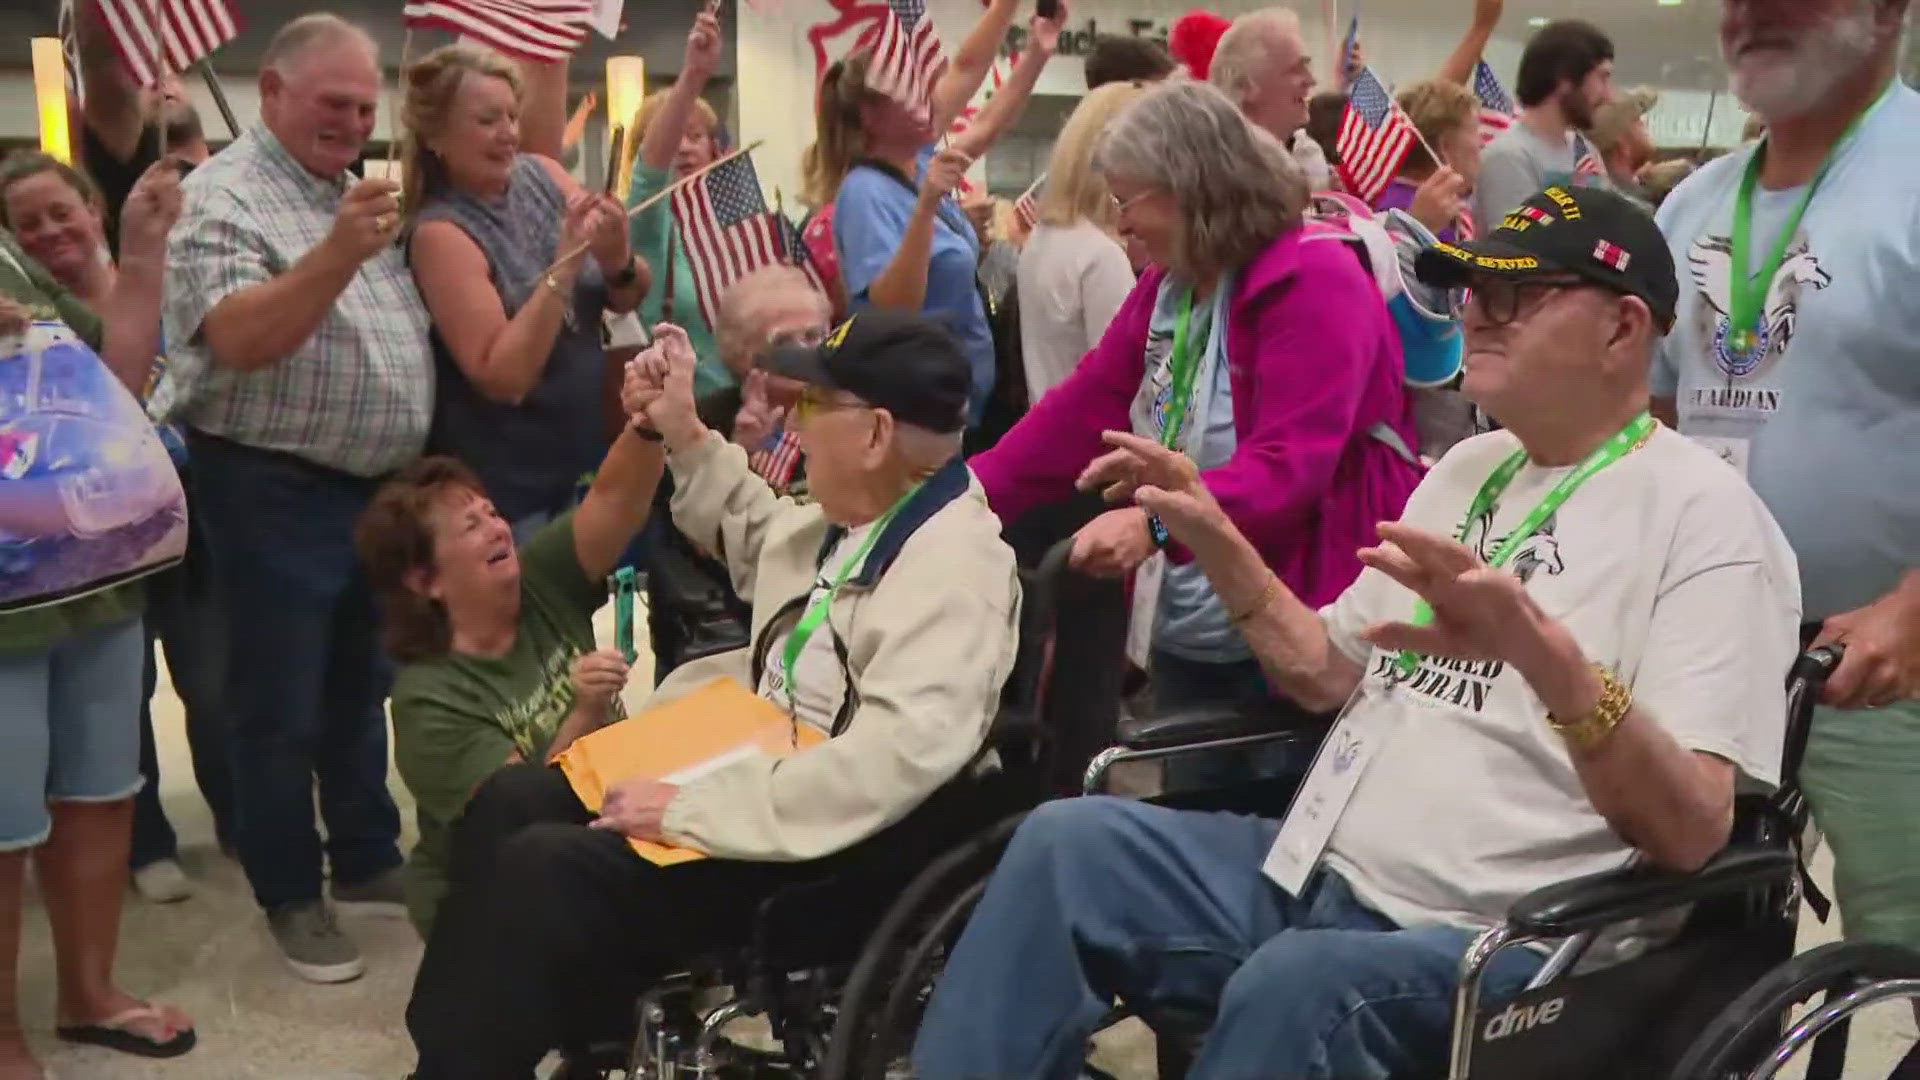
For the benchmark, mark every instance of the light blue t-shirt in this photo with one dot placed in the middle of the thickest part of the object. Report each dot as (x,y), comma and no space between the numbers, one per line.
(1191,621)
(870,216)
(1825,414)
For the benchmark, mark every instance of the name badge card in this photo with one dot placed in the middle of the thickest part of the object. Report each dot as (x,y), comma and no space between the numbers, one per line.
(1366,723)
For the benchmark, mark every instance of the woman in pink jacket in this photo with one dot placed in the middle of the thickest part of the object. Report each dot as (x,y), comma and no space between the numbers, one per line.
(1262,349)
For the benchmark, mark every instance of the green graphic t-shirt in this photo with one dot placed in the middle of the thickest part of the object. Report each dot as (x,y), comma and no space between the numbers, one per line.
(457,718)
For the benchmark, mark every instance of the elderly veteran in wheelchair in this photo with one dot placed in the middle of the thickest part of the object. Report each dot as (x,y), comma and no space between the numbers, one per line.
(885,616)
(1565,656)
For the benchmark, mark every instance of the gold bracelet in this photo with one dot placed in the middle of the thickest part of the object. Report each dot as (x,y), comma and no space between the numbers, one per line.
(1267,596)
(553,284)
(1584,733)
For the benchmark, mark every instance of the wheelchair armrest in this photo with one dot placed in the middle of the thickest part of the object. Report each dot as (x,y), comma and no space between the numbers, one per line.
(1601,900)
(1201,724)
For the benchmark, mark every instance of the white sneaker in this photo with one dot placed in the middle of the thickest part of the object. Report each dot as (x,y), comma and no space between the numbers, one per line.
(162,882)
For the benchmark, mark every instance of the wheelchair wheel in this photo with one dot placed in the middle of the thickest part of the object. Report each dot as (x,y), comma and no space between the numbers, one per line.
(1748,1031)
(880,1006)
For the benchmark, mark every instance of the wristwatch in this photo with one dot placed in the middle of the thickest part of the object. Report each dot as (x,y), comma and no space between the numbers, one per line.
(1589,731)
(1157,530)
(627,275)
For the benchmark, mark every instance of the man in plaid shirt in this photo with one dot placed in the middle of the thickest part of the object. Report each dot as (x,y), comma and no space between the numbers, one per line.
(299,346)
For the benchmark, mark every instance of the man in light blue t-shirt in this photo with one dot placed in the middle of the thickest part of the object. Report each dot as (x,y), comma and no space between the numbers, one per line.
(1808,382)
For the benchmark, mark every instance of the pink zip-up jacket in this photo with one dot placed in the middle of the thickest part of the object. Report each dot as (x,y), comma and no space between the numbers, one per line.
(1314,363)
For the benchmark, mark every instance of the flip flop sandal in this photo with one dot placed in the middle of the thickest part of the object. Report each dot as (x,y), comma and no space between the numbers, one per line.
(112,1033)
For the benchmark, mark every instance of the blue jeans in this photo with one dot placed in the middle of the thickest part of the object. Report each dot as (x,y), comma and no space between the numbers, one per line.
(1098,898)
(184,619)
(305,678)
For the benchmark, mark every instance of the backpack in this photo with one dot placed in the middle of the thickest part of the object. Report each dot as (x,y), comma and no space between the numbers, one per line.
(1432,346)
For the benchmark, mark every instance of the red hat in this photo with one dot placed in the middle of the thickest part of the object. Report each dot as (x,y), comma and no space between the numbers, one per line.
(1194,37)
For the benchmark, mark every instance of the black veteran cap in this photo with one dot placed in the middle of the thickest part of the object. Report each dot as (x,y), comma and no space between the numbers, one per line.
(1589,233)
(906,364)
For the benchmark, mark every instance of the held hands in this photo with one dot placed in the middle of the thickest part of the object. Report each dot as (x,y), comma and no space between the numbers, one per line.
(635,806)
(152,208)
(1441,199)
(702,57)
(1162,482)
(598,677)
(364,225)
(658,385)
(1882,664)
(944,173)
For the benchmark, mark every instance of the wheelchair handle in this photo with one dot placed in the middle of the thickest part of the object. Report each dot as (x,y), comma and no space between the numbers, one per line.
(1816,665)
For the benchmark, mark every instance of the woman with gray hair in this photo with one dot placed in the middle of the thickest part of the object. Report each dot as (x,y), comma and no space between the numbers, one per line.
(1261,351)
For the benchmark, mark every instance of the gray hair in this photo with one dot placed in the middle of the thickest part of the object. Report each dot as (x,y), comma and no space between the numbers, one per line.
(1248,46)
(1237,188)
(738,331)
(309,32)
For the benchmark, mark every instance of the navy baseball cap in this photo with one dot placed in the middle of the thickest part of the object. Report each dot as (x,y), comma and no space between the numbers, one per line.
(906,364)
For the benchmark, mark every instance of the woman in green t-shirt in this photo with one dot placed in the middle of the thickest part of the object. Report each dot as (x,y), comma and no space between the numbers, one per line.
(496,646)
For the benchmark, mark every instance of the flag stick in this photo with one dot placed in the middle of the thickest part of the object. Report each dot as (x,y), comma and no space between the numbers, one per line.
(661,194)
(393,108)
(616,152)
(1706,135)
(219,98)
(160,67)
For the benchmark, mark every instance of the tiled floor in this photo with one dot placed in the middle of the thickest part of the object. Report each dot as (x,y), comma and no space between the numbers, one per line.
(210,955)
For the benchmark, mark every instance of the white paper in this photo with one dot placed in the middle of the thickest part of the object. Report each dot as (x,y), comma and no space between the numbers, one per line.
(606,17)
(1356,737)
(1146,604)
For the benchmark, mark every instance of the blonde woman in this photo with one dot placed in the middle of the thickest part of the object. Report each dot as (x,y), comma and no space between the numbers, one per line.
(516,344)
(677,128)
(1438,193)
(1074,275)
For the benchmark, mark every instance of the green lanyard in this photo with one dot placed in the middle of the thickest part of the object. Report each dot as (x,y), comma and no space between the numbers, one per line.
(1606,454)
(1747,290)
(818,607)
(1185,364)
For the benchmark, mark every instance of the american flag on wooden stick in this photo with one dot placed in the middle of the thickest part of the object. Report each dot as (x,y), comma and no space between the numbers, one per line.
(1027,206)
(907,57)
(728,230)
(1496,107)
(540,30)
(1375,137)
(155,37)
(793,251)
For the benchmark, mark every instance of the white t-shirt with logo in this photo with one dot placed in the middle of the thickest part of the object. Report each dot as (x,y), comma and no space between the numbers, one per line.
(822,681)
(1667,569)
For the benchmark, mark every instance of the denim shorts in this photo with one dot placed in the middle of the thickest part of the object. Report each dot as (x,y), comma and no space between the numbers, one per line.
(69,727)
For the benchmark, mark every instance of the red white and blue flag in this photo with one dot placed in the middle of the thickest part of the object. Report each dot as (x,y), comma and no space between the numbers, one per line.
(158,37)
(1612,255)
(1375,137)
(1586,164)
(1496,106)
(546,31)
(728,230)
(907,57)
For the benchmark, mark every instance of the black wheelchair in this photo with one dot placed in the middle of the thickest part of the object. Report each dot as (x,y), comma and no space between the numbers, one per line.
(829,962)
(1716,1000)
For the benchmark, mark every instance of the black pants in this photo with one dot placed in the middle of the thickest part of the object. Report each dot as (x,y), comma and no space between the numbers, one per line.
(551,931)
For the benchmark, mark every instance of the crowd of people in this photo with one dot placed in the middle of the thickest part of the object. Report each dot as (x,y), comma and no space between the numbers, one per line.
(1553,634)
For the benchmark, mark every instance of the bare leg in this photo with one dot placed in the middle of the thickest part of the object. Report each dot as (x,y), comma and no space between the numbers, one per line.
(83,871)
(16,1062)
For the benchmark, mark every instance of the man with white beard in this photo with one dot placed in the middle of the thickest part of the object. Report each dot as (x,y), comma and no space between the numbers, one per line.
(1797,355)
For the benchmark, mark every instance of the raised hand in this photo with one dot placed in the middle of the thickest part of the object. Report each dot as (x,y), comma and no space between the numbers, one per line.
(702,57)
(598,677)
(607,224)
(1043,34)
(1479,612)
(1163,482)
(663,373)
(152,208)
(759,418)
(1441,200)
(944,174)
(364,225)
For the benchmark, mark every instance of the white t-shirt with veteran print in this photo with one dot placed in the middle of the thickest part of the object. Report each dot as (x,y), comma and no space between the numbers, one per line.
(1666,568)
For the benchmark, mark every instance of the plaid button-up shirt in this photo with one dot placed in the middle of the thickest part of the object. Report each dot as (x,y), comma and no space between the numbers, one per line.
(358,395)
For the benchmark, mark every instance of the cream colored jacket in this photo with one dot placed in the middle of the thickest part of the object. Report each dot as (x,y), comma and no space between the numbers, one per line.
(926,629)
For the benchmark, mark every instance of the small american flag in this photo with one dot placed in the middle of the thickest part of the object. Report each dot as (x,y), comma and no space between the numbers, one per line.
(1586,164)
(1496,108)
(1027,206)
(1375,137)
(70,52)
(155,37)
(728,230)
(794,252)
(776,463)
(1612,255)
(1463,226)
(907,57)
(542,30)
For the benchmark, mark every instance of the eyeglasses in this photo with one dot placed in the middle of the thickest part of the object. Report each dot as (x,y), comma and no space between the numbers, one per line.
(1121,206)
(812,404)
(805,337)
(1502,302)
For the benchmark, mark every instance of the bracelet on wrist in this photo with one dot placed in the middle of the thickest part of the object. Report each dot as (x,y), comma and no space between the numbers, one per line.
(640,427)
(1268,594)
